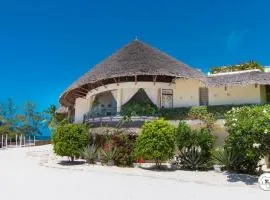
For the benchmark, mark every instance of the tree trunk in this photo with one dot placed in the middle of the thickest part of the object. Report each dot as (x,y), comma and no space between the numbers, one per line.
(72,158)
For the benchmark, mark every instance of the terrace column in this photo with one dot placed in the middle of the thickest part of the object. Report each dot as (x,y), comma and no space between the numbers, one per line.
(119,100)
(159,98)
(90,102)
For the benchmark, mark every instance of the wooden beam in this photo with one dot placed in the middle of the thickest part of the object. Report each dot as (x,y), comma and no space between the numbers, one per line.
(103,84)
(85,90)
(78,95)
(135,80)
(80,92)
(155,79)
(116,81)
(94,87)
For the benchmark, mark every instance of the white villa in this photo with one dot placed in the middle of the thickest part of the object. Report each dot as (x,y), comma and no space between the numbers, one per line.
(167,82)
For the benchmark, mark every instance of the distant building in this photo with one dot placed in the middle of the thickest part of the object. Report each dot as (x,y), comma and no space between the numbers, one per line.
(167,82)
(267,69)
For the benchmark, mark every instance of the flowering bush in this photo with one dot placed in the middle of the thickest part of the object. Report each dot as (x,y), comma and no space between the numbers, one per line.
(249,135)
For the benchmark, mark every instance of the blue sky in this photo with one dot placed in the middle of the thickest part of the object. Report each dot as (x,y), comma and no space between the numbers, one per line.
(46,45)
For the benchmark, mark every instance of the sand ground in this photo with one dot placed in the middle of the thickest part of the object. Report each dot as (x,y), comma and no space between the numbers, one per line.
(35,173)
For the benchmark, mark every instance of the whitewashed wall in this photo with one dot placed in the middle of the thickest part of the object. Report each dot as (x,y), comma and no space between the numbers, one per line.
(235,95)
(81,107)
(186,93)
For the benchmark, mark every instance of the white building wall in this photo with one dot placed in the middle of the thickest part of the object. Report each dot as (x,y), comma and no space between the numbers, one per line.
(235,95)
(127,94)
(153,95)
(81,107)
(186,93)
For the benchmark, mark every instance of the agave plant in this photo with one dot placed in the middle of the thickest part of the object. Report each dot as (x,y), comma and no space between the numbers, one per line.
(192,158)
(108,156)
(89,154)
(225,157)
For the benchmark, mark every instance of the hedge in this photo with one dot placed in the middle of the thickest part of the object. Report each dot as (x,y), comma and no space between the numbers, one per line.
(218,112)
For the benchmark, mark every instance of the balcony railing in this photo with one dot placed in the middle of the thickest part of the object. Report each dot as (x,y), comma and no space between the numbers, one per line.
(100,112)
(110,116)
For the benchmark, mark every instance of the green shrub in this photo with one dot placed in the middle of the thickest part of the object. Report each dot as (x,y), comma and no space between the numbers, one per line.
(124,144)
(249,135)
(227,158)
(89,154)
(243,66)
(174,113)
(120,139)
(197,112)
(201,112)
(195,146)
(156,141)
(140,108)
(69,139)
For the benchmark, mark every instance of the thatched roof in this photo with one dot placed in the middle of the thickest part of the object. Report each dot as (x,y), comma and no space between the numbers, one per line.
(138,61)
(239,79)
(135,59)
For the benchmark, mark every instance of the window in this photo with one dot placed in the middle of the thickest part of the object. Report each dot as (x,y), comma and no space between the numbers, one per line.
(203,93)
(167,98)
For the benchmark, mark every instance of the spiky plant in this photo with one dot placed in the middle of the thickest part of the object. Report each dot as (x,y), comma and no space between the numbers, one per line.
(193,158)
(225,157)
(89,154)
(108,155)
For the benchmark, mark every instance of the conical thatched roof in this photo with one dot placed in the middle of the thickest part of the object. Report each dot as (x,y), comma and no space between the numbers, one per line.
(135,59)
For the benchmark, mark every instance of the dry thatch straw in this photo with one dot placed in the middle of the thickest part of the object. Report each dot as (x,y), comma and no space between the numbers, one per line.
(137,61)
(239,79)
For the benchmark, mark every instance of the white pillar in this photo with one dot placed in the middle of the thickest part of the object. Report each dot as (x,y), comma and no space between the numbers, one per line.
(34,140)
(90,102)
(21,140)
(16,140)
(2,141)
(119,100)
(6,141)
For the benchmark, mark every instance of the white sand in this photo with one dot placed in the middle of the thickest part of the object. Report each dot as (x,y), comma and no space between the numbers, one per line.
(34,173)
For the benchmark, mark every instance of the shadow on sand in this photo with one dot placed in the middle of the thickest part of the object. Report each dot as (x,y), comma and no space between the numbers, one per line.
(69,163)
(245,178)
(162,168)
